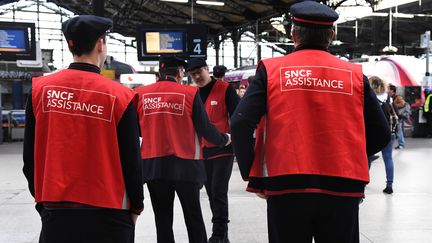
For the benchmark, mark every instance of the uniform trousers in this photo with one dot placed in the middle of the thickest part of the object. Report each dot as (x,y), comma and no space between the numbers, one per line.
(72,225)
(218,175)
(429,124)
(162,194)
(301,217)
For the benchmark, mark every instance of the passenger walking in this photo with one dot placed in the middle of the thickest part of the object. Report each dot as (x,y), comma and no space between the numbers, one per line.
(318,119)
(220,100)
(392,90)
(81,145)
(379,87)
(172,119)
(241,91)
(403,110)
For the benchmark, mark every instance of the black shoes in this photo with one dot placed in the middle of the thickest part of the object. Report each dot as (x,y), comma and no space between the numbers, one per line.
(388,190)
(399,147)
(215,239)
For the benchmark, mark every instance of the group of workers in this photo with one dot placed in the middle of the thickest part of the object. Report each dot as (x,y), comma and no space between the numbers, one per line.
(308,158)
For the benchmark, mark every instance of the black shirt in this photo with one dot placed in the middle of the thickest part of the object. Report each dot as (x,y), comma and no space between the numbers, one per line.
(174,168)
(127,137)
(231,100)
(254,105)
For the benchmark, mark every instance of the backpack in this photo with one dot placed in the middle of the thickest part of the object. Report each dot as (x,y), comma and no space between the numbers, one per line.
(389,113)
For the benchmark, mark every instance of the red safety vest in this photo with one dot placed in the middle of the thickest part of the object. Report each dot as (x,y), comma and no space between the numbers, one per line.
(314,123)
(76,153)
(165,115)
(216,109)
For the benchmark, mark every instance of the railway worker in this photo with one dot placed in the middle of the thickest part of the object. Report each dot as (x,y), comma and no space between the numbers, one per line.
(81,145)
(318,119)
(172,119)
(220,100)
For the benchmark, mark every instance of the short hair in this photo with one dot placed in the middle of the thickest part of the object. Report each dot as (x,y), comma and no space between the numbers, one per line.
(83,47)
(377,84)
(392,87)
(219,71)
(312,36)
(170,71)
(218,74)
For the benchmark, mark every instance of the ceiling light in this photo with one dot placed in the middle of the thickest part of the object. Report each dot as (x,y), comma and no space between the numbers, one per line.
(176,1)
(390,48)
(210,2)
(403,15)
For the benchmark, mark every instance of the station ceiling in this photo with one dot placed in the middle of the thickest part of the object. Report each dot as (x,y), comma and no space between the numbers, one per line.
(412,20)
(257,16)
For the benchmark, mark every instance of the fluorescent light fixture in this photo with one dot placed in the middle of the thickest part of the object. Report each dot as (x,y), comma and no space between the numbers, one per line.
(337,42)
(175,1)
(403,15)
(211,2)
(378,14)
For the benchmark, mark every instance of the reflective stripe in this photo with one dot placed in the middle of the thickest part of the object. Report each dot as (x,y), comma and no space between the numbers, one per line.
(313,22)
(264,168)
(197,148)
(125,200)
(427,103)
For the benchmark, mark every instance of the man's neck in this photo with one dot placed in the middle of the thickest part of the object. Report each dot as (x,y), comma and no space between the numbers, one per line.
(207,84)
(87,59)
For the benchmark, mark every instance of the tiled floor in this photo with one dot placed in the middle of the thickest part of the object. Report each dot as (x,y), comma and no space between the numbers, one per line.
(404,217)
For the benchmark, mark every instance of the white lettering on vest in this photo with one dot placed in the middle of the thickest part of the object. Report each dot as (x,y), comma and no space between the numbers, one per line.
(317,79)
(302,77)
(63,100)
(171,103)
(78,102)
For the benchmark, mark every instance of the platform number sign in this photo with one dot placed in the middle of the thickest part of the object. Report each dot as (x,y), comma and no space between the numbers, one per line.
(197,40)
(197,48)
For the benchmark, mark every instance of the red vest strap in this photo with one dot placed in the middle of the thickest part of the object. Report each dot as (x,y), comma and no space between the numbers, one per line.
(217,109)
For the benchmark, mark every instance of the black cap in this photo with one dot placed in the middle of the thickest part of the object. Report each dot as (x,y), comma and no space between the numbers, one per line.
(171,62)
(85,28)
(219,71)
(313,14)
(195,63)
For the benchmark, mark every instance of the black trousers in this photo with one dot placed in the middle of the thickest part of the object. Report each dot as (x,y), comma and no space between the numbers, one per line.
(86,226)
(218,176)
(300,217)
(162,194)
(429,123)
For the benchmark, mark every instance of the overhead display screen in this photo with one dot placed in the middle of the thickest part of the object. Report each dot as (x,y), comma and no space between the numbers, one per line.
(164,42)
(17,41)
(13,40)
(181,40)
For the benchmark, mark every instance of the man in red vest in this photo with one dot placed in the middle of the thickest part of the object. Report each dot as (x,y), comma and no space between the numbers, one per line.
(220,100)
(219,72)
(172,120)
(318,119)
(81,146)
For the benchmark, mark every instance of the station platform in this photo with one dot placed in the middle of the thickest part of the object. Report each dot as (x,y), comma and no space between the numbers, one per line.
(404,216)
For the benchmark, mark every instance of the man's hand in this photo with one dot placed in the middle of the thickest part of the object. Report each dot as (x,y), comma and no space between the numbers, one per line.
(134,217)
(260,195)
(229,139)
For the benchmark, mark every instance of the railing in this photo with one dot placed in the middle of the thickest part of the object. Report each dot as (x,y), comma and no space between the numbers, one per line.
(13,123)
